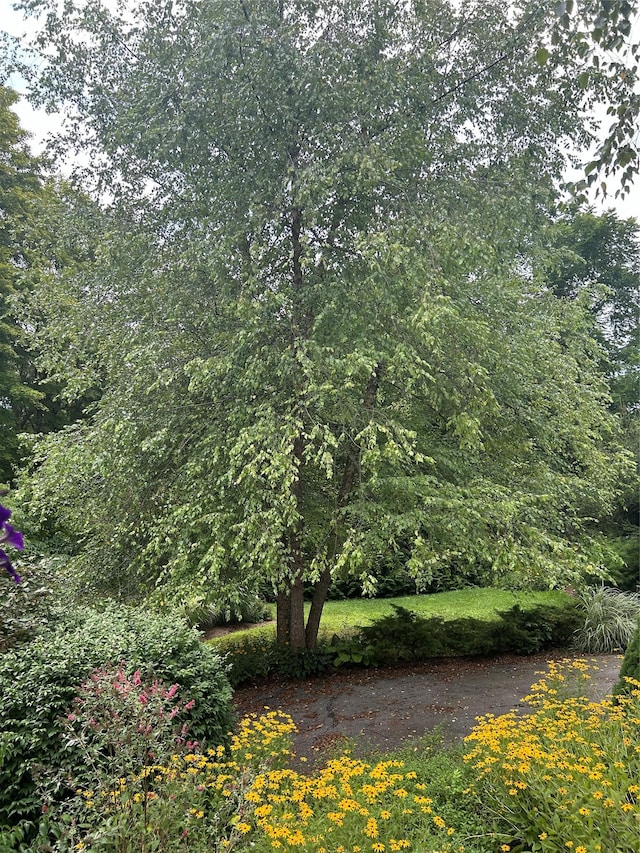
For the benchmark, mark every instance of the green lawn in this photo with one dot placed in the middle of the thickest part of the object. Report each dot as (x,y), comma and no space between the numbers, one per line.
(341,617)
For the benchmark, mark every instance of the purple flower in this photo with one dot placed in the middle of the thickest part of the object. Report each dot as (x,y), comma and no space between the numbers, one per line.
(6,564)
(11,536)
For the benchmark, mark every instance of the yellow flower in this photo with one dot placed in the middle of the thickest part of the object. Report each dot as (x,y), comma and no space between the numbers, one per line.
(371,829)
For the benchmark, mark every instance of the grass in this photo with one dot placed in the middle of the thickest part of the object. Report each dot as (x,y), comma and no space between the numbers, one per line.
(342,617)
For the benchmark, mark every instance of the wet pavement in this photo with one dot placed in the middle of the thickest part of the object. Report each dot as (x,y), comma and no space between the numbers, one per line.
(384,708)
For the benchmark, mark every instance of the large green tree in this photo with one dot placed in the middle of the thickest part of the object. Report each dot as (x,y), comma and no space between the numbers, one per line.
(318,334)
(20,190)
(596,259)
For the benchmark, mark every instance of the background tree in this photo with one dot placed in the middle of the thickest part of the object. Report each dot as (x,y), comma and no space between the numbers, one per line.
(20,189)
(34,217)
(316,332)
(596,258)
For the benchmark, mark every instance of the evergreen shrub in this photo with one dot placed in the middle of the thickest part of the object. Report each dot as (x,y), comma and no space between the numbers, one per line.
(404,637)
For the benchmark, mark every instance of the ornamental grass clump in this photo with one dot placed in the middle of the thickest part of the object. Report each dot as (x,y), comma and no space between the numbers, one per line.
(567,776)
(610,619)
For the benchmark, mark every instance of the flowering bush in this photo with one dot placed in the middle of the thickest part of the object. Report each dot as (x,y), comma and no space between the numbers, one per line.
(39,681)
(121,724)
(185,800)
(246,797)
(348,806)
(567,777)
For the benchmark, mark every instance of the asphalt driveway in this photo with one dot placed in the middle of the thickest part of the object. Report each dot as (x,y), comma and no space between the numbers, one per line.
(384,708)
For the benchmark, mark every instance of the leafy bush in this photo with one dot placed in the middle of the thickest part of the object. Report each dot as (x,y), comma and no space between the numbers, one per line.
(26,608)
(39,681)
(630,665)
(190,801)
(610,618)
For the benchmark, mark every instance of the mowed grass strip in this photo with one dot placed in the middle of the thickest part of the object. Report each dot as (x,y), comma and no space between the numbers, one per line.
(343,617)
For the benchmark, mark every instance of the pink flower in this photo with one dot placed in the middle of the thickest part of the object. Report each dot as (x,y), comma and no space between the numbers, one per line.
(190,704)
(171,692)
(142,697)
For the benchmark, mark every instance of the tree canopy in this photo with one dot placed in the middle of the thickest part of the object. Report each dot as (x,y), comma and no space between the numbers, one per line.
(313,308)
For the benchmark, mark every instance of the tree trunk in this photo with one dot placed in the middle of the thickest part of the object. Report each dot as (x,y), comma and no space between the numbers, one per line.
(283,617)
(349,473)
(317,605)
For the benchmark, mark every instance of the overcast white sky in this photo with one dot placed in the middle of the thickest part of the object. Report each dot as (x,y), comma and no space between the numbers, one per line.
(39,124)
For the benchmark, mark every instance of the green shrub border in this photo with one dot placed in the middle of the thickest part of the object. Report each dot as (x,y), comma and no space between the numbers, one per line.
(401,637)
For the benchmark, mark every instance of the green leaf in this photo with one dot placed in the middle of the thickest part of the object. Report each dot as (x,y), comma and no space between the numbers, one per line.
(542,55)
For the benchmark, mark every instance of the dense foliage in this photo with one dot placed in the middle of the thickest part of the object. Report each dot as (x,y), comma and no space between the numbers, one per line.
(630,668)
(39,681)
(20,190)
(314,311)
